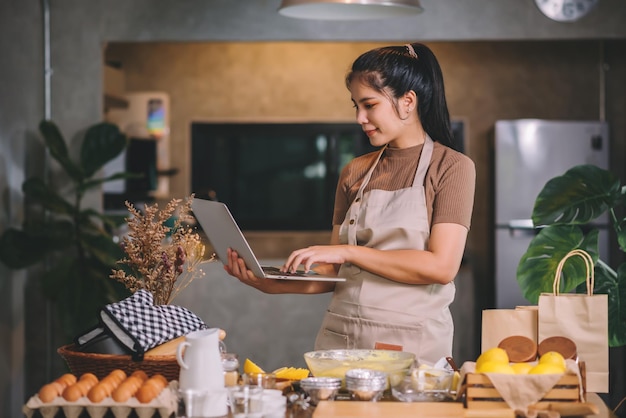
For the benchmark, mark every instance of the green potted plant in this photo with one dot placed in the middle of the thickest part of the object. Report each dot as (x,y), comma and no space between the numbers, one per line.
(562,213)
(74,241)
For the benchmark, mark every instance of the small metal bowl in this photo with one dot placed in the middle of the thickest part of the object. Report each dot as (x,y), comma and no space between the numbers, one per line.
(320,388)
(366,384)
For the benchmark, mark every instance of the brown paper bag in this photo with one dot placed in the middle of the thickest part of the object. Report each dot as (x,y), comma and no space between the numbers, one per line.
(583,318)
(498,324)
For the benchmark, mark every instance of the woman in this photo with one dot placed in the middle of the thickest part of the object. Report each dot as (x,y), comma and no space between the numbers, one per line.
(401,215)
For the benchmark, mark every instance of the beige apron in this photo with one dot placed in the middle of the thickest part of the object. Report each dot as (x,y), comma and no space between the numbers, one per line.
(369,311)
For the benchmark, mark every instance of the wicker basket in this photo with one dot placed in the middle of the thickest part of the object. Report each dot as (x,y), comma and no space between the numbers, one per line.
(102,364)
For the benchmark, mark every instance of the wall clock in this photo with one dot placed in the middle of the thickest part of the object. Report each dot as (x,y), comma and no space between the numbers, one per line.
(565,10)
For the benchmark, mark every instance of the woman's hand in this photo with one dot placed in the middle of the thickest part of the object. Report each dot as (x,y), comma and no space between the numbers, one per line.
(317,254)
(237,267)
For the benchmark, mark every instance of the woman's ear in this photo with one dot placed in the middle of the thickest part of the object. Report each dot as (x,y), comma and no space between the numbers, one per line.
(409,101)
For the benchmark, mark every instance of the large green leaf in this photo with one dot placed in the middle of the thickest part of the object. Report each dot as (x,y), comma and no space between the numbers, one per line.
(537,267)
(615,288)
(36,189)
(103,142)
(18,250)
(103,249)
(58,149)
(117,176)
(579,196)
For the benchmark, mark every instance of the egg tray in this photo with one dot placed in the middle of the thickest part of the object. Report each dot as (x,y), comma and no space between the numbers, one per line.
(163,406)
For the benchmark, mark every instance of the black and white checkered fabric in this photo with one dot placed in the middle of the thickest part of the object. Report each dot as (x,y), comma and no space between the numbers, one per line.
(140,325)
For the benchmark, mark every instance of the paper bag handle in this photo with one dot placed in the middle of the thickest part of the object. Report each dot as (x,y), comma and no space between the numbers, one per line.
(590,276)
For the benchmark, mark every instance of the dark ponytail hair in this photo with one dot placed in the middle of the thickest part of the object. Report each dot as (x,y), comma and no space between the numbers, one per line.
(399,69)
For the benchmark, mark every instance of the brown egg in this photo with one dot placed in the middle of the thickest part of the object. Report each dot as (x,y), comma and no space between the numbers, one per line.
(155,383)
(140,374)
(89,377)
(161,378)
(110,384)
(146,393)
(134,381)
(124,391)
(66,380)
(86,385)
(118,375)
(73,393)
(48,392)
(97,393)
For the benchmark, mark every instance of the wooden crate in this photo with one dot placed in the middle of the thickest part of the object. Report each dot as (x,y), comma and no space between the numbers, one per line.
(480,393)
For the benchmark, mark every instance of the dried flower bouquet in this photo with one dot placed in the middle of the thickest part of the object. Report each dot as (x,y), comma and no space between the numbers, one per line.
(161,259)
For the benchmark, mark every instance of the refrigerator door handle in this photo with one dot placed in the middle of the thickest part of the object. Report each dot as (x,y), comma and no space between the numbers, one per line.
(521,228)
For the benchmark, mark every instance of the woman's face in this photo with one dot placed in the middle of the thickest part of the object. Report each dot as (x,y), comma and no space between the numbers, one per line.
(378,116)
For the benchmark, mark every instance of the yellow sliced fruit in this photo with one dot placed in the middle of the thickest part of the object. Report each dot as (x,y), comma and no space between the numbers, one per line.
(250,367)
(546,368)
(291,373)
(554,358)
(455,380)
(495,354)
(495,367)
(521,368)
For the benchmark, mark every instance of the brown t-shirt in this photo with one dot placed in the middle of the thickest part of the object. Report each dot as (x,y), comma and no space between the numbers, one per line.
(449,184)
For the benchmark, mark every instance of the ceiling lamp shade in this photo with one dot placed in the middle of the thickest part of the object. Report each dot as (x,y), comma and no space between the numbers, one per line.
(349,9)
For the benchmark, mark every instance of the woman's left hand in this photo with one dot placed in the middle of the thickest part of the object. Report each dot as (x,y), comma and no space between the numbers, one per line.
(326,254)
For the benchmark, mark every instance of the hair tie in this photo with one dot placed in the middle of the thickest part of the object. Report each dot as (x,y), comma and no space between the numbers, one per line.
(412,52)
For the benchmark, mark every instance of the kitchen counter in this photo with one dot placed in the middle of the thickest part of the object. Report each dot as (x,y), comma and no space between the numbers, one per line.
(353,409)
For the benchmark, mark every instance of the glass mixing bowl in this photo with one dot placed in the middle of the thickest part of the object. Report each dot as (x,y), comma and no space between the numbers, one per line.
(335,363)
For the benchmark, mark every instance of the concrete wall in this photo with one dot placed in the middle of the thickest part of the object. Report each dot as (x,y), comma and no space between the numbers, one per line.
(80,30)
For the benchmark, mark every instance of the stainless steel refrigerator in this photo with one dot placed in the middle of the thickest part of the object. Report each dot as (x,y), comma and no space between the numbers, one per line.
(528,153)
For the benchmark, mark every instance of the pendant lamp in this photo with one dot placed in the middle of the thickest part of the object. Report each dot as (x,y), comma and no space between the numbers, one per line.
(349,9)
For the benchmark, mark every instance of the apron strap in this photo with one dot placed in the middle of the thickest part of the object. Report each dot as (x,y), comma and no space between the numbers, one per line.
(422,166)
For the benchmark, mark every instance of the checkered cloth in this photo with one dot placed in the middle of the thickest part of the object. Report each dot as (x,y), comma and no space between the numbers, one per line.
(140,325)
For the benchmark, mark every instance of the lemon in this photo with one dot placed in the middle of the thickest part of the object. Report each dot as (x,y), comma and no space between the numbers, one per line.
(250,367)
(495,367)
(554,358)
(495,354)
(455,380)
(291,373)
(521,368)
(546,368)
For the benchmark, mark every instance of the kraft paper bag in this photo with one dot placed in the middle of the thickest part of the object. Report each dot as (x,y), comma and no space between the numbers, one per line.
(583,318)
(498,324)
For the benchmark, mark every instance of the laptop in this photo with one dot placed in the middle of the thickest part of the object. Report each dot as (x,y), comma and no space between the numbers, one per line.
(224,233)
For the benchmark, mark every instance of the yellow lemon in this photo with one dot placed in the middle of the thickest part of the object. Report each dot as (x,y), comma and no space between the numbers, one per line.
(250,367)
(554,358)
(546,368)
(521,368)
(455,380)
(291,373)
(495,354)
(495,367)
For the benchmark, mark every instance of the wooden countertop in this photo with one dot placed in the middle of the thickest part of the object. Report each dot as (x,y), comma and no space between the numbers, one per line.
(354,409)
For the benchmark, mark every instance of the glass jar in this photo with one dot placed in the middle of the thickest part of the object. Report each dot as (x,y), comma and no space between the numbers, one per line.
(230,364)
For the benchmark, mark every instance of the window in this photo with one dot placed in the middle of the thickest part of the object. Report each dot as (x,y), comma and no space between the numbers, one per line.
(274,176)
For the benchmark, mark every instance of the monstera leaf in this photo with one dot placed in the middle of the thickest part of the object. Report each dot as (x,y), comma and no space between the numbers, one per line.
(535,272)
(579,196)
(563,211)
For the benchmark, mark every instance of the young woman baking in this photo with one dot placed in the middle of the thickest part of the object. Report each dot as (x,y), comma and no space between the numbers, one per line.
(401,215)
